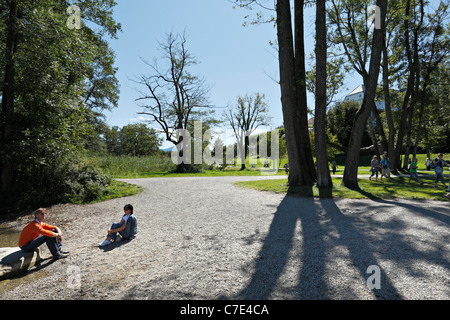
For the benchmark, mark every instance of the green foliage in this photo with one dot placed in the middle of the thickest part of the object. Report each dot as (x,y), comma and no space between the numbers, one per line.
(340,121)
(63,79)
(56,181)
(133,139)
(132,167)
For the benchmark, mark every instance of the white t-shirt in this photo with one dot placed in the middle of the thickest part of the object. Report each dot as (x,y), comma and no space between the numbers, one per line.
(125,217)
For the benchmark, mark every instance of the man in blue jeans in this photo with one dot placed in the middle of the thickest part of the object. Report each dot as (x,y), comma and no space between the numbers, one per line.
(36,233)
(120,227)
(438,165)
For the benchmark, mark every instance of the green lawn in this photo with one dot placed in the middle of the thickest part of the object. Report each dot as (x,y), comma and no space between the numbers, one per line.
(117,189)
(398,187)
(161,166)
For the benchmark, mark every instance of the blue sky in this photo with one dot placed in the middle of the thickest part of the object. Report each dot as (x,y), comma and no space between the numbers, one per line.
(234,60)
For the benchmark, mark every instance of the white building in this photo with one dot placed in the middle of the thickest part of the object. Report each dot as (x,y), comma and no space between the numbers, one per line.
(358,96)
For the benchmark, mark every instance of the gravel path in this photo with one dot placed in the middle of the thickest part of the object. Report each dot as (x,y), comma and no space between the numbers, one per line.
(203,238)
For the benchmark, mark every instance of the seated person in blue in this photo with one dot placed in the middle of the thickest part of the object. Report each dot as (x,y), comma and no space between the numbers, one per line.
(127,227)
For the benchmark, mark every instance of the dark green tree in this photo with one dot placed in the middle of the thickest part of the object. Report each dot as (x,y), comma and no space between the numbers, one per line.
(138,140)
(52,72)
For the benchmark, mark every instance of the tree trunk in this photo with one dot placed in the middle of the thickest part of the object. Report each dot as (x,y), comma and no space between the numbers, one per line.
(387,101)
(308,171)
(350,178)
(379,128)
(323,170)
(373,137)
(288,86)
(8,94)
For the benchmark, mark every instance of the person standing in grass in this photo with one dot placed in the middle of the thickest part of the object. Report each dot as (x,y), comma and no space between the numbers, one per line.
(375,167)
(385,167)
(333,166)
(438,165)
(413,171)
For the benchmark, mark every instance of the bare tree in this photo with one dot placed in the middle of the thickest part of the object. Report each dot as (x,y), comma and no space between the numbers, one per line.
(174,97)
(249,113)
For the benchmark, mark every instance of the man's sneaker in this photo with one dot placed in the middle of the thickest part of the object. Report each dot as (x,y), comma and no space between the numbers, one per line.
(59,256)
(104,243)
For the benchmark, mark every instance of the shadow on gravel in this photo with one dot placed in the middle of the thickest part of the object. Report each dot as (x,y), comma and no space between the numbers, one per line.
(323,229)
(115,245)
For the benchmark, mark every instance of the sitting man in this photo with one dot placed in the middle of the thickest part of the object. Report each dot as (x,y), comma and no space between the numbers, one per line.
(127,227)
(37,232)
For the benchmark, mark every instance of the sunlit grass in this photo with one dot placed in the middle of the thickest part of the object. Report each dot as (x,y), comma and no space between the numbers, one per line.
(398,187)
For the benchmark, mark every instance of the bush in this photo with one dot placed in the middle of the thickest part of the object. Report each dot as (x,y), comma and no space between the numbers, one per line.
(85,184)
(42,182)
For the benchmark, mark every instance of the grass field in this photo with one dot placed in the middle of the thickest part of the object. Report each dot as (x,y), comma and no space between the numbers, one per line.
(398,187)
(125,167)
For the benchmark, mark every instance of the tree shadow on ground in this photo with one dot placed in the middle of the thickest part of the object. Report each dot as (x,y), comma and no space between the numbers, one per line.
(324,228)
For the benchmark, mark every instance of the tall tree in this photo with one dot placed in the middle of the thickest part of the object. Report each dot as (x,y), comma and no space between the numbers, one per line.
(176,98)
(8,94)
(250,112)
(293,93)
(320,120)
(44,113)
(355,42)
(424,45)
(291,56)
(138,140)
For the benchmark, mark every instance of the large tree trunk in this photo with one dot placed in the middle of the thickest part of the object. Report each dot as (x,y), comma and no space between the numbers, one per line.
(288,87)
(8,94)
(308,171)
(323,170)
(293,94)
(350,178)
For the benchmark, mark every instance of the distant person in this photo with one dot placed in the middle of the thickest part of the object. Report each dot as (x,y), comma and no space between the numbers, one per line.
(36,233)
(413,171)
(385,167)
(286,167)
(374,167)
(428,164)
(438,166)
(126,228)
(333,166)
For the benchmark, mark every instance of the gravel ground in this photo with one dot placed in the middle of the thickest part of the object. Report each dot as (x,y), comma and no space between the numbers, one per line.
(203,238)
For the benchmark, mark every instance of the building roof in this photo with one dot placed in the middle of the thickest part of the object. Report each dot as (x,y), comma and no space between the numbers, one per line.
(359,89)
